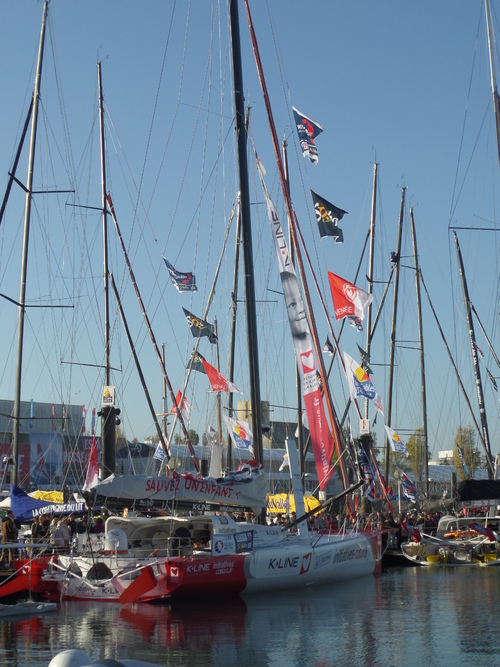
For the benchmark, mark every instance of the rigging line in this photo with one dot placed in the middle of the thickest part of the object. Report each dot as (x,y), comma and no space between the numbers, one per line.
(453,363)
(454,202)
(485,335)
(153,117)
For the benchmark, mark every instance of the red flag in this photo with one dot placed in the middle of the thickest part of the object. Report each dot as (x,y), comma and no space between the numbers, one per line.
(92,478)
(348,300)
(218,381)
(483,530)
(185,407)
(412,530)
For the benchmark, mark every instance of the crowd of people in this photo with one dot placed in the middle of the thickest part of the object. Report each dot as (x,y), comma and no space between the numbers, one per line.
(49,532)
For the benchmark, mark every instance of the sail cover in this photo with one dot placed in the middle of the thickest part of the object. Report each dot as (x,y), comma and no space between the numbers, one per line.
(244,490)
(321,437)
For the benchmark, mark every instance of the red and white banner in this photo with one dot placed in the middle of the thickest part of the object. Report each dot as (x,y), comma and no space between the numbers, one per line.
(185,407)
(321,437)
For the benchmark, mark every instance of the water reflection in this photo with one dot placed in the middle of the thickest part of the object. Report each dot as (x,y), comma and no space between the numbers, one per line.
(438,617)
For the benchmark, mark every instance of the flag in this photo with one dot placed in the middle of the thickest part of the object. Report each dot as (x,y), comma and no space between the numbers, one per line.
(185,407)
(31,413)
(462,459)
(218,381)
(304,423)
(308,130)
(355,323)
(412,530)
(328,347)
(92,478)
(495,386)
(63,416)
(199,327)
(328,217)
(348,300)
(478,350)
(285,463)
(483,530)
(159,452)
(93,421)
(360,383)
(240,432)
(365,360)
(196,363)
(183,282)
(409,488)
(53,417)
(397,445)
(83,418)
(367,474)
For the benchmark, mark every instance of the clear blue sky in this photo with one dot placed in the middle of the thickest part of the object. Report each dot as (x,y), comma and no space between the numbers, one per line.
(403,84)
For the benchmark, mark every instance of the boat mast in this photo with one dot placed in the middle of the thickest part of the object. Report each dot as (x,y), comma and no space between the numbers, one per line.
(107,412)
(494,92)
(422,358)
(24,264)
(246,232)
(370,271)
(477,372)
(393,329)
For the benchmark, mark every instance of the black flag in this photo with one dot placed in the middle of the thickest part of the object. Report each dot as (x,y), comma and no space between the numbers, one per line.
(328,217)
(199,327)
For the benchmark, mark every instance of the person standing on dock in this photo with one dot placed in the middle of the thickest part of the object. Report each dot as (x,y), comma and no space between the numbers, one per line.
(9,535)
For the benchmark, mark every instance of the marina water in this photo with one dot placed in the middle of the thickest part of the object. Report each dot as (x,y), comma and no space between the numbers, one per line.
(417,615)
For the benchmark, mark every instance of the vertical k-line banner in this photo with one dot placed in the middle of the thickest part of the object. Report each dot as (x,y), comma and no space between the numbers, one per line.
(321,437)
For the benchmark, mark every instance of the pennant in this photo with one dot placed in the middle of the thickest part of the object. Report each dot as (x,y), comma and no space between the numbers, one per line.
(367,474)
(328,347)
(348,300)
(63,417)
(462,459)
(240,432)
(31,413)
(409,488)
(83,418)
(355,323)
(183,282)
(328,217)
(397,445)
(365,360)
(218,381)
(92,478)
(412,530)
(53,417)
(285,463)
(495,386)
(93,422)
(199,327)
(360,383)
(478,349)
(185,407)
(484,530)
(308,130)
(196,363)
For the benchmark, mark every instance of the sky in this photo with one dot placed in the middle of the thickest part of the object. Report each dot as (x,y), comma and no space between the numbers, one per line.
(405,85)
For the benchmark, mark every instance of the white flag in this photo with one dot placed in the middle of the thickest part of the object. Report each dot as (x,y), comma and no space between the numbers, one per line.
(397,445)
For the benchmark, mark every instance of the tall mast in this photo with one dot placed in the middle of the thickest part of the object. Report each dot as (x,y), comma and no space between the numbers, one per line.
(393,328)
(422,358)
(494,91)
(246,232)
(232,345)
(477,372)
(107,413)
(370,270)
(24,262)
